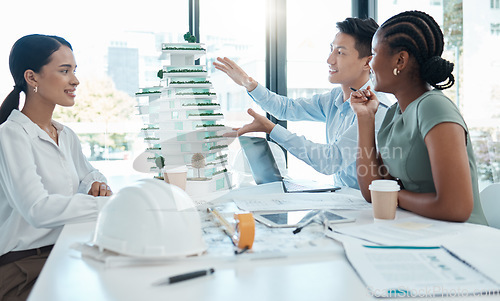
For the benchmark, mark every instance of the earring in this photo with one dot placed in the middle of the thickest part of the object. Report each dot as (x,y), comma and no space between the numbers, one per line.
(396,71)
(36,89)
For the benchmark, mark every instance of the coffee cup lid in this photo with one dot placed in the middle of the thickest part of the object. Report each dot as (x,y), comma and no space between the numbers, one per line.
(384,185)
(174,168)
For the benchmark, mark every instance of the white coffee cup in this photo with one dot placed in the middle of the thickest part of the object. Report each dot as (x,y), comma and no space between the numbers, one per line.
(384,194)
(175,175)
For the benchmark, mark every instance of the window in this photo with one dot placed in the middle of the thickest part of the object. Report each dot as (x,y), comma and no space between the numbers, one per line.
(471,38)
(239,35)
(116,47)
(310,30)
(495,29)
(237,30)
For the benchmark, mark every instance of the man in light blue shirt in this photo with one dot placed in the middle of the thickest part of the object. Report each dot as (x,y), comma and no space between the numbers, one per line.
(348,66)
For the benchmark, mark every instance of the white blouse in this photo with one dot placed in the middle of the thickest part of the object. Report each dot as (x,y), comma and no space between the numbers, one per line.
(42,185)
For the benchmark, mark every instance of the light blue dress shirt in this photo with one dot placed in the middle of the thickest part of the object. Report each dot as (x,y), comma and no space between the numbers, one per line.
(338,156)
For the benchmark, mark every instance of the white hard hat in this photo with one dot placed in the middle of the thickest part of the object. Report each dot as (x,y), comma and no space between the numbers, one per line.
(150,218)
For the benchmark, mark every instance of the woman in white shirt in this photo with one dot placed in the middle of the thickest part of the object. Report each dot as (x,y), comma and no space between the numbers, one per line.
(45,180)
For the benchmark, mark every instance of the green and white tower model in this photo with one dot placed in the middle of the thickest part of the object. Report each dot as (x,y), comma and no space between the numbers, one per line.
(183,124)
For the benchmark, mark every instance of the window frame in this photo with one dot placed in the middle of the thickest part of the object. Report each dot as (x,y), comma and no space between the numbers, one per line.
(276,32)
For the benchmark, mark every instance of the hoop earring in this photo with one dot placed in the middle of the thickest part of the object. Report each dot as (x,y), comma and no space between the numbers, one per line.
(396,71)
(36,89)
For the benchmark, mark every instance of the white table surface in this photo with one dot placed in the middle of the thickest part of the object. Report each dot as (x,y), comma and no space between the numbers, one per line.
(311,276)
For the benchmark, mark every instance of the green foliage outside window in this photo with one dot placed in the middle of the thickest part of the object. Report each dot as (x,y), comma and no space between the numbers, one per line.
(98,102)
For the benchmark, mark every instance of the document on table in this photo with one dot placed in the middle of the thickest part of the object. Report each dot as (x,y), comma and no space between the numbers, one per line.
(390,271)
(404,231)
(300,201)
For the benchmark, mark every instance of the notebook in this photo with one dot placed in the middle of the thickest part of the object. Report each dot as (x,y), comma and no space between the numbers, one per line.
(265,170)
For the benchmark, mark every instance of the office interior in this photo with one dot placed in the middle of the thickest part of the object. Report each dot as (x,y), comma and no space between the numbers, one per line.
(283,44)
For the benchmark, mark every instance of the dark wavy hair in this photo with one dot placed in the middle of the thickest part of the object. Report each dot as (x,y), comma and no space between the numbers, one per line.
(30,52)
(362,30)
(420,35)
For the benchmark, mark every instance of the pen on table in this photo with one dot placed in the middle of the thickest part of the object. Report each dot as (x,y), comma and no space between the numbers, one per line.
(186,276)
(298,229)
(236,252)
(223,221)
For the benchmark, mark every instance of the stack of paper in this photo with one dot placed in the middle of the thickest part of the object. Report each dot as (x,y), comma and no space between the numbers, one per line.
(392,271)
(406,231)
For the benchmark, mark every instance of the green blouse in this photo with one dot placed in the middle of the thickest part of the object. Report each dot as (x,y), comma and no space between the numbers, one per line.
(403,150)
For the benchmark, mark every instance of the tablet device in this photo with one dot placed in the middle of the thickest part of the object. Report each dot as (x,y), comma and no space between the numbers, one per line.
(297,218)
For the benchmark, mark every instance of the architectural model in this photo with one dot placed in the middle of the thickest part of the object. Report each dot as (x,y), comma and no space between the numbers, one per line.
(183,125)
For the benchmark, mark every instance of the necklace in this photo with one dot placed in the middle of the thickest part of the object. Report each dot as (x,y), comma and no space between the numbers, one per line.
(52,134)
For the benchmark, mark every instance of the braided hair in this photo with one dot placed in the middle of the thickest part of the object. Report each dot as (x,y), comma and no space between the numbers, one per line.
(420,35)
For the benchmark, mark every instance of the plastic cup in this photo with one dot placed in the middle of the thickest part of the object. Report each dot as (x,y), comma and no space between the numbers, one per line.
(384,194)
(175,175)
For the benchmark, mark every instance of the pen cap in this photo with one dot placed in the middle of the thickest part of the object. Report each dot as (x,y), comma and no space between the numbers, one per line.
(150,218)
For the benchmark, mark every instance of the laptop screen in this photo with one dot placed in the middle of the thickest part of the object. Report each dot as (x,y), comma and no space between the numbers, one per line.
(260,159)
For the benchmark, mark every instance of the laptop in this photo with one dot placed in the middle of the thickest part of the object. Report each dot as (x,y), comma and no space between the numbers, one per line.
(265,170)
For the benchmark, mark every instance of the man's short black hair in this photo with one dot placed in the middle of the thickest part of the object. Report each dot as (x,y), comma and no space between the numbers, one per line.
(362,30)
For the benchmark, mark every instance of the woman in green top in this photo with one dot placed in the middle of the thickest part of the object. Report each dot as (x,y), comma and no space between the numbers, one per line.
(423,142)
